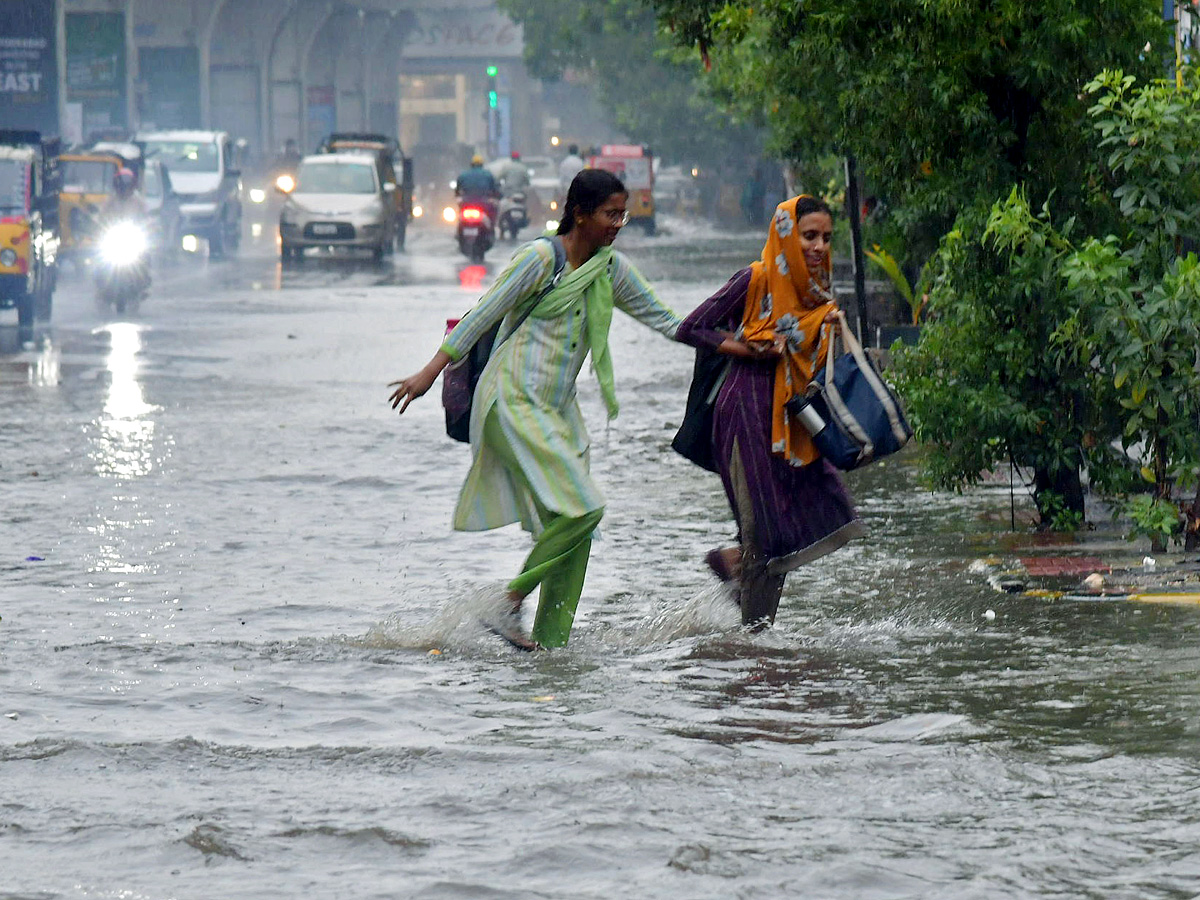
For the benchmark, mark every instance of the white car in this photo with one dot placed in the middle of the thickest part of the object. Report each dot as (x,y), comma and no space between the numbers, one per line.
(205,178)
(338,200)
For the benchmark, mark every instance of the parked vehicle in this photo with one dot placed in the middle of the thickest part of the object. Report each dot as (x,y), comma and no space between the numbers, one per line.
(338,200)
(394,168)
(87,181)
(475,231)
(121,264)
(633,164)
(544,201)
(676,190)
(29,239)
(208,182)
(162,206)
(513,216)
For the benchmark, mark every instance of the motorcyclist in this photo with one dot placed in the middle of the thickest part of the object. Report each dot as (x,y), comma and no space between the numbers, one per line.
(478,185)
(124,203)
(512,173)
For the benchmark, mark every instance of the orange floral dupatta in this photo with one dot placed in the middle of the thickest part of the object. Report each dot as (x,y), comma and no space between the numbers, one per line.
(786,300)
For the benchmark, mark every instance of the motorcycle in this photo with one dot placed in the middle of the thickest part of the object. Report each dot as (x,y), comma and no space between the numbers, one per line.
(514,215)
(475,232)
(122,265)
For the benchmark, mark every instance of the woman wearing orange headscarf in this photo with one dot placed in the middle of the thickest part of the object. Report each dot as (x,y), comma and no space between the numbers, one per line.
(774,318)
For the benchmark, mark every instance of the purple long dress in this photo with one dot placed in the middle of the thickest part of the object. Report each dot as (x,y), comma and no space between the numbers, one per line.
(786,515)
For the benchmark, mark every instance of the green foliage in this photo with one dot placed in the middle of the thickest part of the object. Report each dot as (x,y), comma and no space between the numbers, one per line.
(892,270)
(652,91)
(987,384)
(1057,514)
(1156,519)
(1138,297)
(946,104)
(1050,348)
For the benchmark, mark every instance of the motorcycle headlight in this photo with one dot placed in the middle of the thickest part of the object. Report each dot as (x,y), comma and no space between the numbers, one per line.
(123,244)
(8,257)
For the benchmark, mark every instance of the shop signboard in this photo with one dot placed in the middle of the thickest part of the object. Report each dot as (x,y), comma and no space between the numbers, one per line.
(96,68)
(483,34)
(28,65)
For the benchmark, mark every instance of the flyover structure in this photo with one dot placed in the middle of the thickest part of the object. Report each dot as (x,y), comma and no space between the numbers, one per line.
(270,70)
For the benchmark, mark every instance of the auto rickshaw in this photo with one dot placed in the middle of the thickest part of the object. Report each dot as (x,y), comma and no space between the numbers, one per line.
(633,164)
(87,181)
(29,239)
(389,157)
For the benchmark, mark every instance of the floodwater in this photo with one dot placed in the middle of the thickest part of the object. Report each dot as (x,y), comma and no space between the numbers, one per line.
(239,658)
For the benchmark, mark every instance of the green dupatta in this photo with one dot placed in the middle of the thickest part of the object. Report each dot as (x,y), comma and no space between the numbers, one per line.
(592,282)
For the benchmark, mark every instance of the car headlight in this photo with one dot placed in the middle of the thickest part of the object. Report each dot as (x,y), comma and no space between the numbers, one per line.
(8,257)
(123,244)
(257,195)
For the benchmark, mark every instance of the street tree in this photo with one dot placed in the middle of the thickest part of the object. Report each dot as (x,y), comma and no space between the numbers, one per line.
(944,103)
(1048,344)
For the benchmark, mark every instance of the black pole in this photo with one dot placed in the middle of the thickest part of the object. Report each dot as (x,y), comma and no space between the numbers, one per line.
(853,208)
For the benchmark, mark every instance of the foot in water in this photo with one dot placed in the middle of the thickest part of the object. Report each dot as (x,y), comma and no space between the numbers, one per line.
(726,563)
(507,625)
(508,628)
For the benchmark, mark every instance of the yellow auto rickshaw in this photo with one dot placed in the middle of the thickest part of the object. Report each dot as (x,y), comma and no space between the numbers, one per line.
(29,238)
(87,180)
(633,164)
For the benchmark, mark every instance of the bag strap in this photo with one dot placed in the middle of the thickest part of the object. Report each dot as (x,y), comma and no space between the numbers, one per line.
(560,263)
(850,342)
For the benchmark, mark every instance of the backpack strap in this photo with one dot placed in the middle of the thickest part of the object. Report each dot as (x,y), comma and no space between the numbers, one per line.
(560,263)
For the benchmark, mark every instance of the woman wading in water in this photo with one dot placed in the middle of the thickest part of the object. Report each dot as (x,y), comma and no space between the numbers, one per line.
(528,440)
(789,503)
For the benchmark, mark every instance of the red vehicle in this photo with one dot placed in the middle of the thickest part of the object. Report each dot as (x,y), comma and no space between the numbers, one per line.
(476,231)
(634,165)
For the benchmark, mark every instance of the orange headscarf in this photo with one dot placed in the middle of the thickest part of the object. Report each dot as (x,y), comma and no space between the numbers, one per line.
(786,300)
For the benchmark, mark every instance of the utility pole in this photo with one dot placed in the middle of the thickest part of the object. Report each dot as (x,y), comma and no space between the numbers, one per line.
(854,209)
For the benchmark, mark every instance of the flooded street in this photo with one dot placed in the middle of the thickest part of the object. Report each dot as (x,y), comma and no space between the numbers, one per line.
(239,656)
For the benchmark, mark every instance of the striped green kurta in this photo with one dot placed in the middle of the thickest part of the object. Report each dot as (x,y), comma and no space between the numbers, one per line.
(529,383)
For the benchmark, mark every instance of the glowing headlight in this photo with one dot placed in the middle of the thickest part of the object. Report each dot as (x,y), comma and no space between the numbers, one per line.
(418,211)
(450,215)
(258,195)
(552,224)
(123,244)
(285,183)
(8,257)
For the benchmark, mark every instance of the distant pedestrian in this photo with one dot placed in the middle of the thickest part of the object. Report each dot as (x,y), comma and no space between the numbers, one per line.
(788,502)
(570,166)
(528,439)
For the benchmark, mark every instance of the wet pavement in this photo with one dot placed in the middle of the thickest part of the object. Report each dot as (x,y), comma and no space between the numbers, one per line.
(239,655)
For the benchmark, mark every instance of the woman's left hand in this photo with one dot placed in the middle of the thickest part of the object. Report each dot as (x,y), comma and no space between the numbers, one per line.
(831,317)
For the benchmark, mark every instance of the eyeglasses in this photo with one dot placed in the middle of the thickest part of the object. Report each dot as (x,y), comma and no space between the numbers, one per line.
(616,217)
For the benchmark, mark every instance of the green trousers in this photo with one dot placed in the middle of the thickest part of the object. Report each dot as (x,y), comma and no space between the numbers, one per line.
(558,560)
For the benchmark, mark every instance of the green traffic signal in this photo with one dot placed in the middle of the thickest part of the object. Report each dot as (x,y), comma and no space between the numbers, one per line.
(491,71)
(492,99)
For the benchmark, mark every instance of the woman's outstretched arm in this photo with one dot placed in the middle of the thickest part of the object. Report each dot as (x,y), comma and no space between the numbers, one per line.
(520,277)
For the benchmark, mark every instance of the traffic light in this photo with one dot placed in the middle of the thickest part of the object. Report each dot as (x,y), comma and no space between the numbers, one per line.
(493,97)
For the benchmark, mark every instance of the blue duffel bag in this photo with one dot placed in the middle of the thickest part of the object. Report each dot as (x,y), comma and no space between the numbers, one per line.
(853,416)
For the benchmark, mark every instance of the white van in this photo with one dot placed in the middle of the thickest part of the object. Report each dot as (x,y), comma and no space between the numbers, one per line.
(205,177)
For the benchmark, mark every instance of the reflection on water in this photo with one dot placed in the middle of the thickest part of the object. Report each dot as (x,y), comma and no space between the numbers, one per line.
(124,444)
(122,448)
